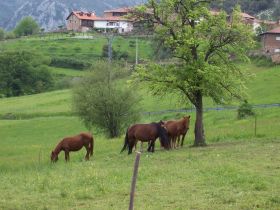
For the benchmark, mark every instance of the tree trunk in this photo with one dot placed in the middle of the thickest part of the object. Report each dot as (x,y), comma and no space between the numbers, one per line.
(199,129)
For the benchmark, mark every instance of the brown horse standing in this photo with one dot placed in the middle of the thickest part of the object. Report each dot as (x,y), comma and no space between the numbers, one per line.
(176,129)
(146,133)
(74,143)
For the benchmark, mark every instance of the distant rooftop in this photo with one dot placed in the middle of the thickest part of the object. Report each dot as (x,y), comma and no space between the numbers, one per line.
(91,16)
(274,31)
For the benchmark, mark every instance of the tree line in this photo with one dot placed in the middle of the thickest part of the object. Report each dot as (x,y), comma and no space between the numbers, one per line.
(250,6)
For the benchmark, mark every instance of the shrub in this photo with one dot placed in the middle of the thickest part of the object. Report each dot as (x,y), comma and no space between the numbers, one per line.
(22,73)
(101,99)
(245,110)
(27,26)
(10,35)
(64,62)
(2,34)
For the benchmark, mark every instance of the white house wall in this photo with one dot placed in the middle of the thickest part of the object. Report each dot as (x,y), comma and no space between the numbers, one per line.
(123,26)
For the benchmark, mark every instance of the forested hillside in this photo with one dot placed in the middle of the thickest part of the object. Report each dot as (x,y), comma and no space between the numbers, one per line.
(251,6)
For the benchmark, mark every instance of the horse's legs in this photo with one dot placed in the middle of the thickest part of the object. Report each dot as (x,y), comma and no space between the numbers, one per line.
(178,141)
(135,146)
(150,146)
(153,145)
(131,144)
(66,155)
(88,152)
(173,142)
(141,148)
(183,138)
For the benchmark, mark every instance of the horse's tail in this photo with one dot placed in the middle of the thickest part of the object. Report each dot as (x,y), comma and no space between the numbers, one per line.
(125,141)
(91,145)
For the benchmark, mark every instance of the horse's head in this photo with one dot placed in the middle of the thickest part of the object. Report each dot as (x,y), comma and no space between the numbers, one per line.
(187,120)
(163,135)
(54,157)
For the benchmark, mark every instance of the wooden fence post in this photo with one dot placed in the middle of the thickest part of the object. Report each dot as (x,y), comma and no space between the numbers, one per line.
(133,182)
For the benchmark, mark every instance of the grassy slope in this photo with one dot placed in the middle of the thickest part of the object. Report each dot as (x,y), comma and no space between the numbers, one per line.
(263,88)
(86,49)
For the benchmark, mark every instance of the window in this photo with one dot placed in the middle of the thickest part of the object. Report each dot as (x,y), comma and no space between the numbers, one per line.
(113,24)
(277,50)
(278,38)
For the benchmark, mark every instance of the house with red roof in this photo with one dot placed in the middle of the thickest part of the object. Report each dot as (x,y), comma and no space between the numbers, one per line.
(112,19)
(271,41)
(271,44)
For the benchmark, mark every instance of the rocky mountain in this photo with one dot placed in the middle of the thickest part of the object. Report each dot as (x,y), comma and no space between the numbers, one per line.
(52,13)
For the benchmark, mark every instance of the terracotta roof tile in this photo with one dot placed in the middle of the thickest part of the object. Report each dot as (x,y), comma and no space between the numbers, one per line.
(91,16)
(245,15)
(274,31)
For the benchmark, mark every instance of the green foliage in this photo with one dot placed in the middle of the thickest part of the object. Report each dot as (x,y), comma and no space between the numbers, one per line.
(117,54)
(2,34)
(100,100)
(262,61)
(10,35)
(250,6)
(67,62)
(27,26)
(23,73)
(206,48)
(245,110)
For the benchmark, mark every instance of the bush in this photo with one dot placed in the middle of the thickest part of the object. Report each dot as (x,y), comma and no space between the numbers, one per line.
(102,99)
(116,55)
(262,61)
(72,63)
(22,73)
(10,35)
(27,26)
(2,34)
(245,110)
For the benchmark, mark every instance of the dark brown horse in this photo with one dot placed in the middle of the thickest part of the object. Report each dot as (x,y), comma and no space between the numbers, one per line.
(146,133)
(74,143)
(176,129)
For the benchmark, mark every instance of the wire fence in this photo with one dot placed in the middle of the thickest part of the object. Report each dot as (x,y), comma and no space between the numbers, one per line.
(257,106)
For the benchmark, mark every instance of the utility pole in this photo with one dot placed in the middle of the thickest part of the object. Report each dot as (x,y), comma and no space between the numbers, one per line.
(110,38)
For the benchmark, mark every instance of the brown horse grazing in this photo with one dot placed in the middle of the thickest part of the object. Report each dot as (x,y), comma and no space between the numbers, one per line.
(146,133)
(176,129)
(74,143)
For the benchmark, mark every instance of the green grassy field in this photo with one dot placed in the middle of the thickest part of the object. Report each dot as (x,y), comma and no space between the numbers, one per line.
(84,49)
(240,174)
(239,169)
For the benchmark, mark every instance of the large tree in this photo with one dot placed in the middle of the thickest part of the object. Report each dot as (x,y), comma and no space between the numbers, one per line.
(205,48)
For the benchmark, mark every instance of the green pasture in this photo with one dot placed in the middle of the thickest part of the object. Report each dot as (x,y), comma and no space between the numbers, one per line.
(239,169)
(235,174)
(78,48)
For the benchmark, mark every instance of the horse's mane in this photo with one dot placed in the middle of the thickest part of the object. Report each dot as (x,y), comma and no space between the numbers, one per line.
(58,147)
(162,136)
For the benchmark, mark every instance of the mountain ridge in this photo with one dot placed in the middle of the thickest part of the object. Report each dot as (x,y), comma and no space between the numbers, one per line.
(52,13)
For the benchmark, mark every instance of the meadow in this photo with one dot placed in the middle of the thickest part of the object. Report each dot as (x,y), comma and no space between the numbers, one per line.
(79,48)
(239,169)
